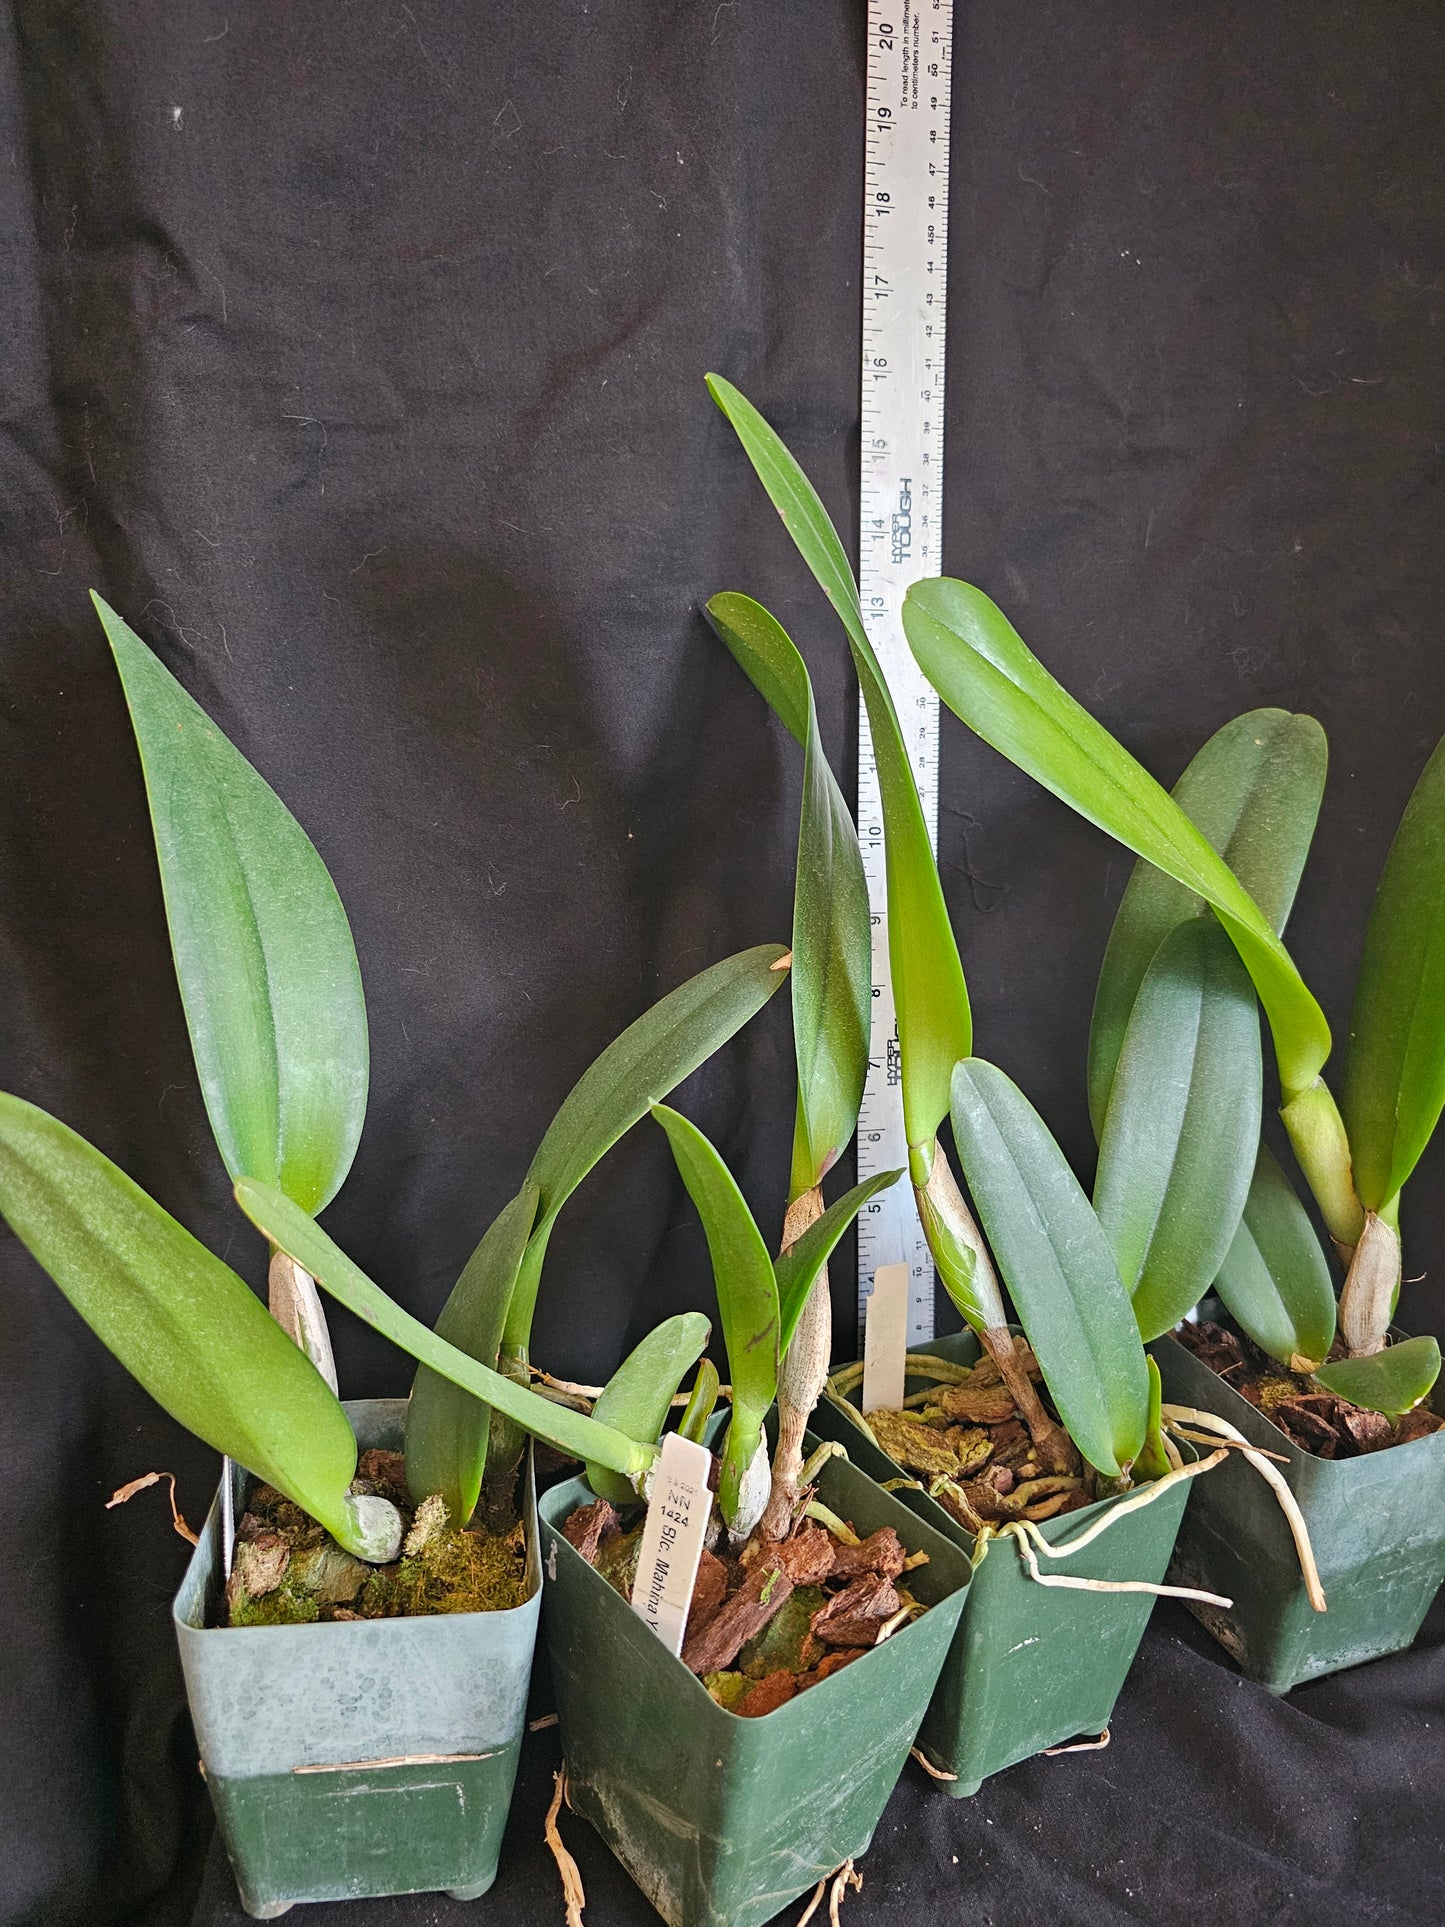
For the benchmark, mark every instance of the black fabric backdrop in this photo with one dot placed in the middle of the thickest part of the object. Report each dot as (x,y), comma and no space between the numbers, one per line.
(355,352)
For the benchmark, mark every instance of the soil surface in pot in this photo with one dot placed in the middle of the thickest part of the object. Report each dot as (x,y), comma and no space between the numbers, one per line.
(289,1571)
(963,1441)
(1317,1421)
(781,1615)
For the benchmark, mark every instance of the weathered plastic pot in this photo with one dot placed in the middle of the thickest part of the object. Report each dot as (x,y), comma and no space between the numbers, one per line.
(1377,1525)
(1031,1666)
(720,1820)
(363,1758)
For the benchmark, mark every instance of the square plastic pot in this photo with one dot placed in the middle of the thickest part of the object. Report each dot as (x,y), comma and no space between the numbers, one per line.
(363,1758)
(720,1820)
(1031,1666)
(1377,1525)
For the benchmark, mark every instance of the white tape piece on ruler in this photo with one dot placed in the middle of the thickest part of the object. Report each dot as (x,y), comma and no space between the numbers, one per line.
(885,1345)
(905,278)
(672,1538)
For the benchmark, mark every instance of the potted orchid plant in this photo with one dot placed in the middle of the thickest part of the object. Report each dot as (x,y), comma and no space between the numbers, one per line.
(1335,1391)
(1055,1441)
(349,1631)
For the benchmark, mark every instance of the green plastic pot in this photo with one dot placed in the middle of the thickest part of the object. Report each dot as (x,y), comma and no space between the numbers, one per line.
(721,1821)
(1377,1525)
(1031,1666)
(370,1757)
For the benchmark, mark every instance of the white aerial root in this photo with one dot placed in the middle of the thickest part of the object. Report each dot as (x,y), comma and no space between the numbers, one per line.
(828,1449)
(900,1618)
(1081,1746)
(846,1876)
(1181,1416)
(840,1529)
(1031,1541)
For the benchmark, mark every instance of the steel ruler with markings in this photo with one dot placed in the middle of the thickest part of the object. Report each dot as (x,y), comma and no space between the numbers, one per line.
(905,292)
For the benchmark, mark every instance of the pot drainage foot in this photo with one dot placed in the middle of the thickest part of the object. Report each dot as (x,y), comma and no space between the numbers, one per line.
(474,1892)
(266,1909)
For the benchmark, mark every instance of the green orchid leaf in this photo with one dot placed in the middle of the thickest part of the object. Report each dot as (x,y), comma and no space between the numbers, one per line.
(650,1058)
(638,1396)
(1395,1077)
(832,959)
(747,1294)
(1275,1281)
(1392,1381)
(986,674)
(191,1332)
(1183,1124)
(447,1428)
(768,657)
(800,1264)
(301,1238)
(935,1026)
(1153,1461)
(701,1402)
(797,502)
(263,951)
(1057,1265)
(1253,791)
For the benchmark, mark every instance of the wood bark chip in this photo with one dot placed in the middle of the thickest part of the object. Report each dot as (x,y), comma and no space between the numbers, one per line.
(762,1593)
(958,1502)
(386,1471)
(804,1560)
(1215,1346)
(260,1566)
(1011,1443)
(1302,1419)
(1367,1429)
(1320,1422)
(810,1556)
(709,1591)
(830,1663)
(882,1552)
(769,1694)
(589,1528)
(853,1617)
(976,1404)
(1418,1424)
(912,1444)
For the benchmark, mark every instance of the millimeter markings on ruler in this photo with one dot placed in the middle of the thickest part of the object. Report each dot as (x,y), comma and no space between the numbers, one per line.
(905,281)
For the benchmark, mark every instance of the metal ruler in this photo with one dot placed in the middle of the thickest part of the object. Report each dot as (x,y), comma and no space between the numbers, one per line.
(905,292)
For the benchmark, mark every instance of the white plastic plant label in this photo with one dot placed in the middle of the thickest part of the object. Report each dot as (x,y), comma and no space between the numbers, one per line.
(672,1538)
(885,1340)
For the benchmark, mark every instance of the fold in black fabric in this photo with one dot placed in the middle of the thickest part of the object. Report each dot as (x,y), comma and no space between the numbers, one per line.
(355,353)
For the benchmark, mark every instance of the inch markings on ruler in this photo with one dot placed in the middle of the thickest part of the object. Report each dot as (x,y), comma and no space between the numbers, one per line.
(905,280)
